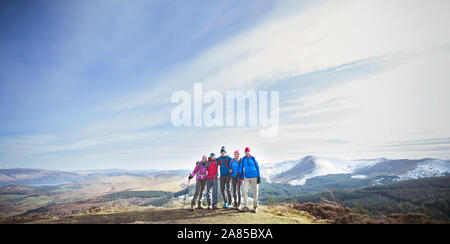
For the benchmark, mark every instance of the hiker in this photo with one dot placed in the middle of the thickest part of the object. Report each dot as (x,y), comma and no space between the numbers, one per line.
(211,182)
(236,180)
(224,162)
(200,170)
(250,172)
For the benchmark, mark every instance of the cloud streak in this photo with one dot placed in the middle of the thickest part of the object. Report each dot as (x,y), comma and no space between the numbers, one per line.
(391,58)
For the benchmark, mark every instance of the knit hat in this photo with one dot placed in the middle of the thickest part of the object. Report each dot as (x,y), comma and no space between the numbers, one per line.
(247,149)
(204,157)
(223,150)
(237,151)
(212,155)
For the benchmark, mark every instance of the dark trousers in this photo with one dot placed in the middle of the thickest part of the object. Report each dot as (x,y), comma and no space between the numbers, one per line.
(225,187)
(237,183)
(199,188)
(211,192)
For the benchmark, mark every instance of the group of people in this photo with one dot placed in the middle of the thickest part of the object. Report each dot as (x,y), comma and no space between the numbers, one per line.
(234,173)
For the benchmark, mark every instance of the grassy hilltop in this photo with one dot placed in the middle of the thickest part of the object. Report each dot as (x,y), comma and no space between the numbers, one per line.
(157,215)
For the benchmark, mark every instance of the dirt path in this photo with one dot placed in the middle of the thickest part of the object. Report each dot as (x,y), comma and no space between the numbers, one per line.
(266,215)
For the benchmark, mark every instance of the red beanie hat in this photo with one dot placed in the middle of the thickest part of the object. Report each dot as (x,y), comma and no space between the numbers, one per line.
(247,149)
(237,151)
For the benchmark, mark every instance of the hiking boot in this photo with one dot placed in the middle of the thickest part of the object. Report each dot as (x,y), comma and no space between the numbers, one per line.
(192,208)
(200,207)
(209,207)
(225,205)
(255,210)
(245,209)
(215,208)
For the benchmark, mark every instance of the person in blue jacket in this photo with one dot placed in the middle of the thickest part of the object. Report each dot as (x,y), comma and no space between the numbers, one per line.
(225,177)
(236,180)
(250,172)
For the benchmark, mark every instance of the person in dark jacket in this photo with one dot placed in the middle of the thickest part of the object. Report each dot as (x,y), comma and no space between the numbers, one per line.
(224,162)
(250,172)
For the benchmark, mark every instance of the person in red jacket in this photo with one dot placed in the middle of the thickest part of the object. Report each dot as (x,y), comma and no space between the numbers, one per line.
(211,182)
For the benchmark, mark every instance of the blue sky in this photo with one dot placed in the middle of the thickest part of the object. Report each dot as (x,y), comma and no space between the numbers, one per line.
(87,84)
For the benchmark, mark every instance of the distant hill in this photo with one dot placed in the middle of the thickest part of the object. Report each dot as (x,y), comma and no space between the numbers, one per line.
(430,196)
(36,177)
(91,188)
(42,177)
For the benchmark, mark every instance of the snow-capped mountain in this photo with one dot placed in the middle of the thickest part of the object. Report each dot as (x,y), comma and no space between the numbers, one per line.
(310,167)
(270,170)
(428,168)
(297,172)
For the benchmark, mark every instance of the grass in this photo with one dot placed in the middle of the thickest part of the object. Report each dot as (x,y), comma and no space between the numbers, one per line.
(301,217)
(6,197)
(152,215)
(37,200)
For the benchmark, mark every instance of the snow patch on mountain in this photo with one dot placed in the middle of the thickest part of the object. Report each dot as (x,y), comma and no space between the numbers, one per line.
(429,168)
(323,167)
(297,172)
(356,165)
(359,177)
(270,170)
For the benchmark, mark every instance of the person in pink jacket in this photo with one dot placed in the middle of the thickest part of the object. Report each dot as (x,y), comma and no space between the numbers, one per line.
(201,169)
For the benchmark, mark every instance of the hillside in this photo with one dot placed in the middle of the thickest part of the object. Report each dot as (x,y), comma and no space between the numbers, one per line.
(152,215)
(319,184)
(309,213)
(430,196)
(85,193)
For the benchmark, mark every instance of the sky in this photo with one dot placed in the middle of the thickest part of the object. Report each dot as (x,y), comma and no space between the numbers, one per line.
(87,84)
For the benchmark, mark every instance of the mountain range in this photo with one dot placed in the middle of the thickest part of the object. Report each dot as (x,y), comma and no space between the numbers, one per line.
(25,192)
(295,172)
(298,172)
(42,177)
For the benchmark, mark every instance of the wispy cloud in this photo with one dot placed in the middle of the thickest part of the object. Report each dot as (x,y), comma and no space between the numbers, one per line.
(353,76)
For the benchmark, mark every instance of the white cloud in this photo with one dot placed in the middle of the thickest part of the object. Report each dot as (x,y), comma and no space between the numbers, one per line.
(391,105)
(129,121)
(292,42)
